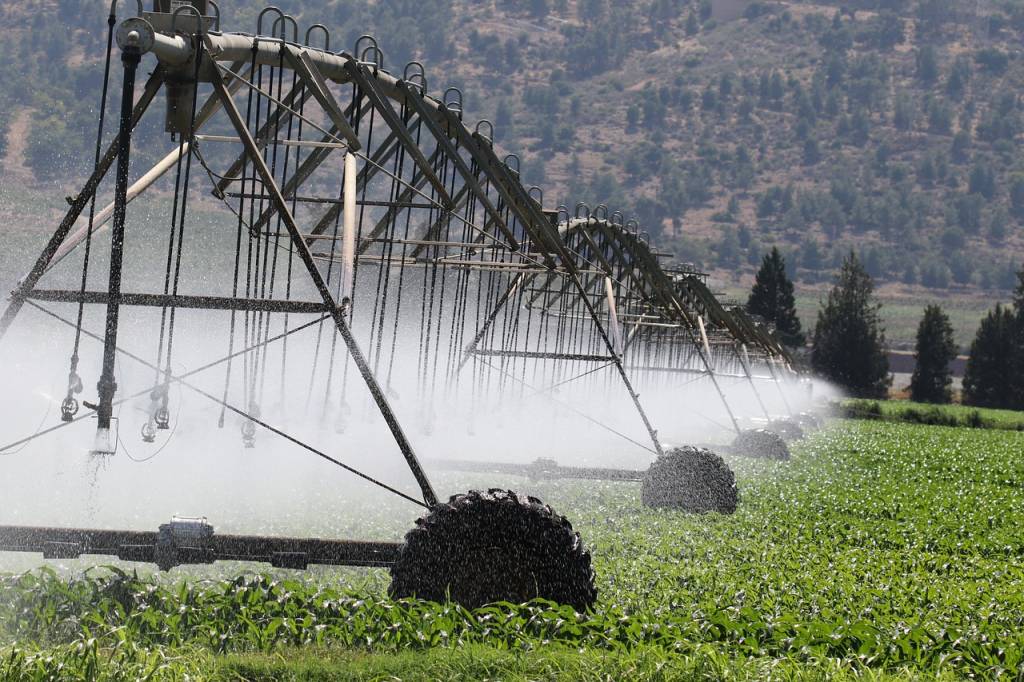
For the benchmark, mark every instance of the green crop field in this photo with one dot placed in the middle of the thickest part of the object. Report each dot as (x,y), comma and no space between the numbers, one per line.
(937,415)
(881,550)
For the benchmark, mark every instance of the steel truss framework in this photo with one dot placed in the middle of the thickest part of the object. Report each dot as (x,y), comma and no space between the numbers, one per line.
(359,199)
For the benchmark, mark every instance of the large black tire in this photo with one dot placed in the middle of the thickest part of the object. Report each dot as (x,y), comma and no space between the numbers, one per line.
(789,429)
(484,547)
(761,444)
(692,480)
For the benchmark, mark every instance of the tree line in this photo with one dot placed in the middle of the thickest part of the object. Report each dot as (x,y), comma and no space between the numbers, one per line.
(848,340)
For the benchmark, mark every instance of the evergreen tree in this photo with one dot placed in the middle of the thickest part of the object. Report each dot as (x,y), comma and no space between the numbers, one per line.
(692,25)
(903,113)
(935,350)
(927,65)
(772,298)
(849,339)
(982,180)
(990,378)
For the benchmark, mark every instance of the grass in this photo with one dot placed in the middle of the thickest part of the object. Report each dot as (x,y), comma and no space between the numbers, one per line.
(901,310)
(479,662)
(934,415)
(882,550)
(473,662)
(902,313)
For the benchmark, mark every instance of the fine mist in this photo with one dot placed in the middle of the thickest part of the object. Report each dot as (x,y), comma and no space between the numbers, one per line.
(197,467)
(489,408)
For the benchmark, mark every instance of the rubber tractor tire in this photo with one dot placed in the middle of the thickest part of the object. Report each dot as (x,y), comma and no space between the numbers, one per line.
(690,479)
(761,444)
(485,547)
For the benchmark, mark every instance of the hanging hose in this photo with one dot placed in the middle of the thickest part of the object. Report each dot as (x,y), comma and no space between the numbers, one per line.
(232,328)
(69,407)
(175,249)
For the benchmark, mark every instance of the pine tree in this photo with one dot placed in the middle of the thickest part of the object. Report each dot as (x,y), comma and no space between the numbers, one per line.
(989,380)
(848,338)
(772,298)
(692,25)
(935,350)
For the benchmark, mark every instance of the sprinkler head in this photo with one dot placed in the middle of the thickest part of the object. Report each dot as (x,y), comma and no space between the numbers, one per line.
(249,434)
(68,409)
(162,417)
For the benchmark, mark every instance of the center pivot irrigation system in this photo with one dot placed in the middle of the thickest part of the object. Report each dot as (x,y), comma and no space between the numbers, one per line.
(355,201)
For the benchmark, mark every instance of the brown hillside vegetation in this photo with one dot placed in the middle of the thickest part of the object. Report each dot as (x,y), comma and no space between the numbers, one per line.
(890,128)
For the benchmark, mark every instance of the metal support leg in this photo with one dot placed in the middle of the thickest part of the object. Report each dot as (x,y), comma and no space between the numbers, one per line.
(130,58)
(617,359)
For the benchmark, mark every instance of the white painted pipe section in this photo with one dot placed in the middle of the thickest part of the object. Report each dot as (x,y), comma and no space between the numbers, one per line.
(704,338)
(614,315)
(348,229)
(101,218)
